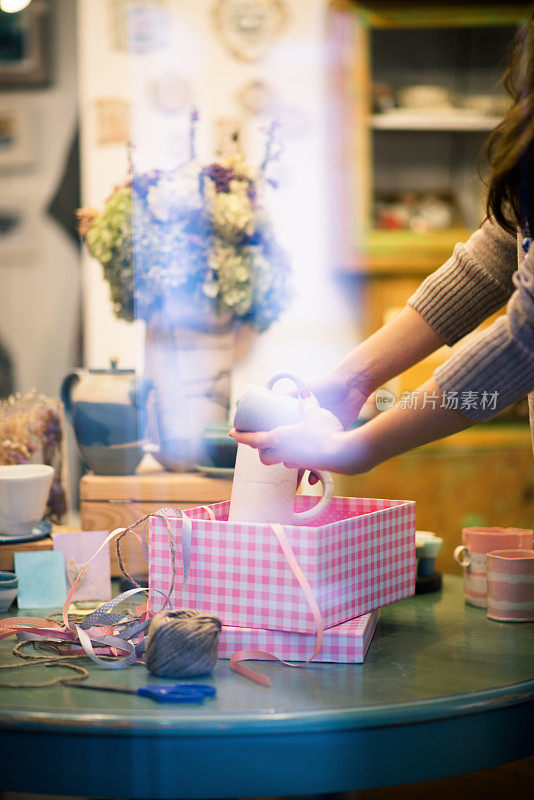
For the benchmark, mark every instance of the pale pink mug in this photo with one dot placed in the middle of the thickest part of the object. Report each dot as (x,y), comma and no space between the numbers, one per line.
(472,556)
(511,585)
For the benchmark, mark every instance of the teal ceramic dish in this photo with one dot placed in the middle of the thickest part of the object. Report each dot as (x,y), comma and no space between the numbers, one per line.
(427,547)
(220,449)
(8,589)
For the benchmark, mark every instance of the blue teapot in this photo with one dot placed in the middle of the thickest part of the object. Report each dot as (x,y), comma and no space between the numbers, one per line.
(108,411)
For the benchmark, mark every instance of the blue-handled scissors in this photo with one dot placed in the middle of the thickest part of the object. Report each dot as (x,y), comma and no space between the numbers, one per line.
(162,693)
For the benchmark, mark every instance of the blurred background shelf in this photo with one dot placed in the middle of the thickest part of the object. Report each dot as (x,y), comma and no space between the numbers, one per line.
(482,476)
(416,88)
(404,252)
(453,120)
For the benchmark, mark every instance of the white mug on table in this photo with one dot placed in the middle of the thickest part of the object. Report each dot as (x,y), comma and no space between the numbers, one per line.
(266,493)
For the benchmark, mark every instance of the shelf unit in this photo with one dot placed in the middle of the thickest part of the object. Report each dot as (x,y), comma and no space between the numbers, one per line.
(359,249)
(401,44)
(403,253)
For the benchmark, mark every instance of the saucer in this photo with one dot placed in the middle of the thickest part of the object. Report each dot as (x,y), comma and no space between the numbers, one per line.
(39,531)
(215,472)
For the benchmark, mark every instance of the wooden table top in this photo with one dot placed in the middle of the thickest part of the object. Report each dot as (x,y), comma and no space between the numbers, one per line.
(443,690)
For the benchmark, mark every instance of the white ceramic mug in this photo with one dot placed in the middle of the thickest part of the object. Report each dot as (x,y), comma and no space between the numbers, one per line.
(261,408)
(266,493)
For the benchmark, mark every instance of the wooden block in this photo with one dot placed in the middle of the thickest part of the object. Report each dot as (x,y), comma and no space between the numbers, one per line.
(7,550)
(99,516)
(117,501)
(165,487)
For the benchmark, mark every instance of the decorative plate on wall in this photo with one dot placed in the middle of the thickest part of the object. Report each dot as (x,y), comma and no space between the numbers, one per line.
(256,97)
(249,27)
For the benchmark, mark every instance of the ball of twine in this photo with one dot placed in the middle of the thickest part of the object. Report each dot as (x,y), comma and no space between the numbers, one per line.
(182,642)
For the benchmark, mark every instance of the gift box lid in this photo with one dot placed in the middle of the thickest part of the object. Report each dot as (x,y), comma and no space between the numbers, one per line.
(344,644)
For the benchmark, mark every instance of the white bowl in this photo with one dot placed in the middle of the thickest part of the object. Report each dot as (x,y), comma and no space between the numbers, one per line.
(24,490)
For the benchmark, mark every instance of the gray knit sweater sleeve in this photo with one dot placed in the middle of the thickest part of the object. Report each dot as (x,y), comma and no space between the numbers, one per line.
(496,368)
(474,283)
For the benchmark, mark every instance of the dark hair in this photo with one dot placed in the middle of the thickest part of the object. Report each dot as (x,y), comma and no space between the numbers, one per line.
(510,146)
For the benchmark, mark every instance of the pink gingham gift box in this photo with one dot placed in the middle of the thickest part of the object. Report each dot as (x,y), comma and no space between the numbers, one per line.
(358,556)
(342,644)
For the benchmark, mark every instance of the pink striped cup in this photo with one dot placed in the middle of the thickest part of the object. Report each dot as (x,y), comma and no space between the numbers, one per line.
(511,585)
(472,556)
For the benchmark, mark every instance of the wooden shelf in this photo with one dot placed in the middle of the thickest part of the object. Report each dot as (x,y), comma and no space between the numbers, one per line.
(482,438)
(358,31)
(158,486)
(404,252)
(456,120)
(384,14)
(8,550)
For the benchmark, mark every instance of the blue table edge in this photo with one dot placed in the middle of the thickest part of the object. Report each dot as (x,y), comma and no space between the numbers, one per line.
(154,723)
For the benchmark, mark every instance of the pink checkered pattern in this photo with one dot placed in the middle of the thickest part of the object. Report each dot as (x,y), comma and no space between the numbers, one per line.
(344,644)
(357,557)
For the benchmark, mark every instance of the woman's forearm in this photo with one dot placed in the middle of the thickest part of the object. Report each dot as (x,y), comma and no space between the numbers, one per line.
(398,430)
(315,443)
(400,343)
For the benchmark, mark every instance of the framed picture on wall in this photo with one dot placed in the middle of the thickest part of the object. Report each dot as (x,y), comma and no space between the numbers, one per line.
(24,47)
(112,120)
(137,27)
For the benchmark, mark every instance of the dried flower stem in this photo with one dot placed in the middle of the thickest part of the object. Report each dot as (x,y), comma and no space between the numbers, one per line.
(273,147)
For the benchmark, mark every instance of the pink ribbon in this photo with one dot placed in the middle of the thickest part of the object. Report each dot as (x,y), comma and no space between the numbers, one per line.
(245,655)
(37,629)
(40,629)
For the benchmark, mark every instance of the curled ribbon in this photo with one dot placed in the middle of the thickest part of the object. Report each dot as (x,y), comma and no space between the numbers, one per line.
(245,655)
(99,627)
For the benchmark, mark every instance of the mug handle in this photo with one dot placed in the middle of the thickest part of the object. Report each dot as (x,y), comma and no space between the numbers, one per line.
(299,383)
(301,517)
(458,554)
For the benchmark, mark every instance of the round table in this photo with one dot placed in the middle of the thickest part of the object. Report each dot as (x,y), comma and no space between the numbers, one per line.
(443,690)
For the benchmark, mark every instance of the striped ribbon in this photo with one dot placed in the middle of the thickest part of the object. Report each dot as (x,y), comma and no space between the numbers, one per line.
(99,627)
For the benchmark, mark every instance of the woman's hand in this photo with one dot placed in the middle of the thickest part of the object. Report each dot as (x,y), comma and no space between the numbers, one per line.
(316,442)
(294,446)
(340,392)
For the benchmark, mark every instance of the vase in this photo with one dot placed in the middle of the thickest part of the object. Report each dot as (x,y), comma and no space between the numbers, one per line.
(189,359)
